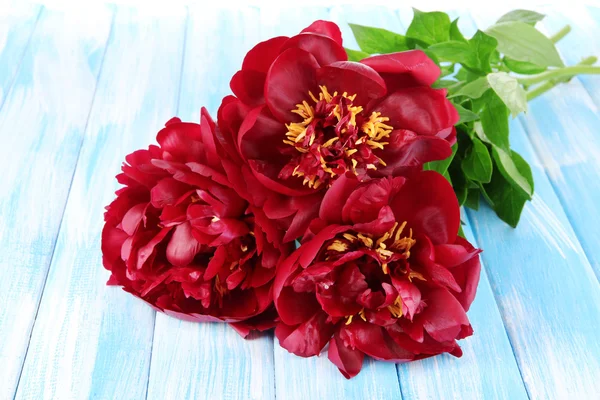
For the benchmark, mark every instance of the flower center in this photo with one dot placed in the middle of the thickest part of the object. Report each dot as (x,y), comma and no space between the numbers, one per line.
(334,136)
(391,250)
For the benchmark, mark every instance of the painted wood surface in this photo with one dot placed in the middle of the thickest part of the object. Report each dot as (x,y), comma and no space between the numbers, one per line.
(90,340)
(537,313)
(41,129)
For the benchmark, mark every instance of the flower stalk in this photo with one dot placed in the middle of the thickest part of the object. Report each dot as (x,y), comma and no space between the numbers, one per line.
(557,76)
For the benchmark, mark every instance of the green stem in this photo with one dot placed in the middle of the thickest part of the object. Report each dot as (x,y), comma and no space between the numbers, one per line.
(560,34)
(560,73)
(539,90)
(544,87)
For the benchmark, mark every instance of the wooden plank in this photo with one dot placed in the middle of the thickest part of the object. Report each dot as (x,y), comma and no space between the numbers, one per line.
(90,340)
(17,23)
(543,282)
(41,128)
(488,367)
(574,169)
(199,360)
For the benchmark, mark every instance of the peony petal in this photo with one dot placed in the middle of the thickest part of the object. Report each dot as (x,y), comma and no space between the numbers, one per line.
(407,149)
(182,247)
(167,192)
(364,203)
(261,56)
(434,212)
(325,28)
(422,110)
(112,242)
(336,196)
(374,341)
(379,226)
(133,217)
(309,250)
(339,299)
(248,86)
(349,361)
(444,318)
(182,140)
(404,69)
(306,339)
(261,135)
(324,49)
(354,78)
(289,80)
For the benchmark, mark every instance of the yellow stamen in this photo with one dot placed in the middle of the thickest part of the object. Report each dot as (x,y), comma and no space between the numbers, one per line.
(338,246)
(367,241)
(396,308)
(330,141)
(361,313)
(349,321)
(349,237)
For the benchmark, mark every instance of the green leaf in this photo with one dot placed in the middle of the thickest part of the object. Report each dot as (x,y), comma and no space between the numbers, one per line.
(477,164)
(472,199)
(510,91)
(454,51)
(494,122)
(523,42)
(455,33)
(522,67)
(441,166)
(461,233)
(515,170)
(356,55)
(465,115)
(377,40)
(444,84)
(429,27)
(473,89)
(506,200)
(482,46)
(526,16)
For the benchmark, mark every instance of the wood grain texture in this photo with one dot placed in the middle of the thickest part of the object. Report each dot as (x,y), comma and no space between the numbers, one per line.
(41,128)
(574,170)
(488,368)
(210,360)
(17,23)
(90,340)
(543,282)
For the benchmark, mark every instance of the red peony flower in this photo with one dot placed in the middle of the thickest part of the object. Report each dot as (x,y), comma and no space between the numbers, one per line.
(382,272)
(305,116)
(179,236)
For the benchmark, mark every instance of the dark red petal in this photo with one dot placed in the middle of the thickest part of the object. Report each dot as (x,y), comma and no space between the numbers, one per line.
(293,308)
(354,78)
(266,173)
(182,140)
(324,49)
(230,117)
(261,56)
(167,192)
(410,295)
(308,208)
(444,318)
(428,203)
(407,149)
(182,247)
(112,241)
(248,86)
(306,339)
(289,80)
(404,69)
(423,110)
(349,361)
(207,129)
(215,263)
(364,203)
(133,217)
(374,341)
(309,250)
(339,299)
(260,135)
(335,197)
(326,28)
(451,255)
(380,225)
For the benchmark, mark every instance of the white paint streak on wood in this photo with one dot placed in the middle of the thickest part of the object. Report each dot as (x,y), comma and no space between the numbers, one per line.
(90,340)
(42,141)
(549,227)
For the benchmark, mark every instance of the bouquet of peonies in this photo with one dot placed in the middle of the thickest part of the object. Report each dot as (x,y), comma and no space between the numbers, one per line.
(313,205)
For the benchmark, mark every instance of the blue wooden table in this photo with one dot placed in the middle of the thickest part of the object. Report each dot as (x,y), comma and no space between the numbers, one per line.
(80,89)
